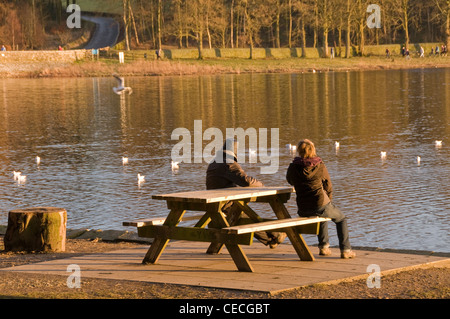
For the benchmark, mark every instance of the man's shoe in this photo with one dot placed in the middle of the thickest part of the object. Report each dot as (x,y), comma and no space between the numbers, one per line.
(273,245)
(276,241)
(346,254)
(325,251)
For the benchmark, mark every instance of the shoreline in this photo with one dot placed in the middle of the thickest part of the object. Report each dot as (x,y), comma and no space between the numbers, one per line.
(210,66)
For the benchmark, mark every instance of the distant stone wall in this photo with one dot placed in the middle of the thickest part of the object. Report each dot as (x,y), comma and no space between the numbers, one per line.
(43,56)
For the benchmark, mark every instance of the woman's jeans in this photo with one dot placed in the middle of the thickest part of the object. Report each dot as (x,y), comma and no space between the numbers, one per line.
(331,211)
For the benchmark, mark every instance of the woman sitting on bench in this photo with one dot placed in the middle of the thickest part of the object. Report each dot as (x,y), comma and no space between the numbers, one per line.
(310,178)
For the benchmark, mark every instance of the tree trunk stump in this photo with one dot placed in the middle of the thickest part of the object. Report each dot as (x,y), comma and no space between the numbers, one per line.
(36,229)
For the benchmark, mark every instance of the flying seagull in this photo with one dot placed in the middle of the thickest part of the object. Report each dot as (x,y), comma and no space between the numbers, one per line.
(121,88)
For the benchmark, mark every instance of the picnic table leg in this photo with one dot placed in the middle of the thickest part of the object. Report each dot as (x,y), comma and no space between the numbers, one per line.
(155,250)
(249,212)
(240,259)
(232,218)
(236,252)
(160,243)
(296,239)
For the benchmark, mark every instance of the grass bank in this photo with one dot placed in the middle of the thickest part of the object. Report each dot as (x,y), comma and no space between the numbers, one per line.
(150,67)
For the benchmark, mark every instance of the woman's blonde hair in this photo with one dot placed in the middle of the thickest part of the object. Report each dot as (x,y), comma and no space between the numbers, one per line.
(306,149)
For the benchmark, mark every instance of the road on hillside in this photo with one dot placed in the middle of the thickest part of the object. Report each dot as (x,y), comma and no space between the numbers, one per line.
(106,32)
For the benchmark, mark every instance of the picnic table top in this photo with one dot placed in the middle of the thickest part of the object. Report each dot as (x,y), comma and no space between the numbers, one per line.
(223,194)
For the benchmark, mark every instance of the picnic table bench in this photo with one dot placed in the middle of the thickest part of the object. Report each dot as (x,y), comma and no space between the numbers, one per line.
(232,230)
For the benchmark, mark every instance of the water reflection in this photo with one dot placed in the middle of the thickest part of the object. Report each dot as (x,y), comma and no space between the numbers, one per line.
(81,130)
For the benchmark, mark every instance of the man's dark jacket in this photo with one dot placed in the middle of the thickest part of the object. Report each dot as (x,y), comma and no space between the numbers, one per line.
(225,172)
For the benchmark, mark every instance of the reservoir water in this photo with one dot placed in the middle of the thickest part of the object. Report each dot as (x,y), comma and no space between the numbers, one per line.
(81,130)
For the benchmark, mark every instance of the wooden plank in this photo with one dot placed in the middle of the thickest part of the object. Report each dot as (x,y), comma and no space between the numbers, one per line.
(200,207)
(157,221)
(282,197)
(145,222)
(224,194)
(195,234)
(311,229)
(247,221)
(274,225)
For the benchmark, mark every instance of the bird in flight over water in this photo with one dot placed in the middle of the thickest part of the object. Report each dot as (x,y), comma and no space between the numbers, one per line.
(121,88)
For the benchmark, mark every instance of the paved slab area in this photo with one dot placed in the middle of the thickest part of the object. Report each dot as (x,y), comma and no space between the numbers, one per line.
(186,263)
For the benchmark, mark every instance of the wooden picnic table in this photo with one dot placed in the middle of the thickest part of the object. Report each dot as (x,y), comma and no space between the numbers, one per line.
(233,230)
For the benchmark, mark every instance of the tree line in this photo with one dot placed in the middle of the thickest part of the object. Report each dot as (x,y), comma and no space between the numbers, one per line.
(284,23)
(341,24)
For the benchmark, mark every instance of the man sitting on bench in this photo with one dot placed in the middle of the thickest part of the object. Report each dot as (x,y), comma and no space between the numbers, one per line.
(223,172)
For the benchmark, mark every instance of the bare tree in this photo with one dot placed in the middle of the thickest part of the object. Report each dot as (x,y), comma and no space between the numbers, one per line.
(399,11)
(443,7)
(324,9)
(159,18)
(125,23)
(257,13)
(348,27)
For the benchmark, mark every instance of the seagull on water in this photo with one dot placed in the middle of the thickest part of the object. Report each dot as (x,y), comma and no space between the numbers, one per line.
(175,166)
(252,155)
(141,178)
(121,88)
(292,148)
(124,160)
(21,179)
(383,154)
(438,143)
(16,175)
